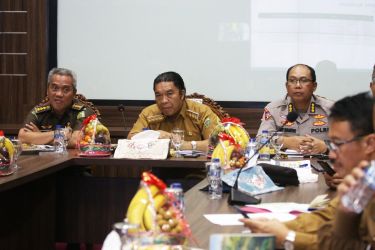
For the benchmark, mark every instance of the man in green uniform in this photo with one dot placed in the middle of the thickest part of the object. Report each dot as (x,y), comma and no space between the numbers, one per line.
(172,110)
(60,108)
(352,140)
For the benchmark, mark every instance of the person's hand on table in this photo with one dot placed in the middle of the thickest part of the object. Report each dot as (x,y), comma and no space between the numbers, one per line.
(312,145)
(294,142)
(332,181)
(263,225)
(164,135)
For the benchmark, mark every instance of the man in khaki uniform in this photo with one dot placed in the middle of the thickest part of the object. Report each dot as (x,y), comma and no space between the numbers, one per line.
(308,133)
(172,110)
(350,230)
(352,140)
(61,108)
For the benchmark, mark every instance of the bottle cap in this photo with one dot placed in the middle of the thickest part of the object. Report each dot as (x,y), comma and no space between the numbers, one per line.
(215,160)
(176,185)
(58,126)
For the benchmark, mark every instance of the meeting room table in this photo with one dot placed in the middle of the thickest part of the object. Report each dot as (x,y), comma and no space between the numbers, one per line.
(50,198)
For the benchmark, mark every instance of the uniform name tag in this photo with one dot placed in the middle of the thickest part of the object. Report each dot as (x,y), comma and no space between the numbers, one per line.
(319,130)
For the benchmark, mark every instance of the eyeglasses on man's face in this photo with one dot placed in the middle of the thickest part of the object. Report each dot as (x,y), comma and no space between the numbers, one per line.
(302,81)
(335,146)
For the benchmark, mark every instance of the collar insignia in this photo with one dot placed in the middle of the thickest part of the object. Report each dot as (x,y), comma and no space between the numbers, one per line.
(312,107)
(319,116)
(319,123)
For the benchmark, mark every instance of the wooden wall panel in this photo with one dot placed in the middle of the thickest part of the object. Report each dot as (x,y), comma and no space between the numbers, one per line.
(13,43)
(13,21)
(23,57)
(18,5)
(13,64)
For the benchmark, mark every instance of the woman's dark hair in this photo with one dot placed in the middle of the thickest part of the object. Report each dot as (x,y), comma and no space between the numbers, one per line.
(171,76)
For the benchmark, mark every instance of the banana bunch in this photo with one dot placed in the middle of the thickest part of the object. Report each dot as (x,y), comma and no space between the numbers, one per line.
(6,150)
(238,133)
(223,151)
(155,214)
(139,204)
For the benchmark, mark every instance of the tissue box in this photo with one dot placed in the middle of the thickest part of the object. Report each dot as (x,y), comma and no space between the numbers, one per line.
(142,149)
(242,241)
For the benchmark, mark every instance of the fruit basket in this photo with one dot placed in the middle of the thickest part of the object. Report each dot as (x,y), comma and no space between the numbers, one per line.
(160,218)
(94,139)
(6,156)
(228,142)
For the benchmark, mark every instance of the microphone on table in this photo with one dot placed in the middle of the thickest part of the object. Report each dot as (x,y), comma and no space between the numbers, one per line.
(236,197)
(121,109)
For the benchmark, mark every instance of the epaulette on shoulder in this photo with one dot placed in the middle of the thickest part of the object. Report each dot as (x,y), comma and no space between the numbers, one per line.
(155,118)
(192,114)
(78,106)
(42,108)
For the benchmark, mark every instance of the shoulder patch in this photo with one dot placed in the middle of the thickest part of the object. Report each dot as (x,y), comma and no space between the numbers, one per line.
(192,114)
(266,114)
(207,122)
(77,106)
(155,118)
(41,109)
(81,115)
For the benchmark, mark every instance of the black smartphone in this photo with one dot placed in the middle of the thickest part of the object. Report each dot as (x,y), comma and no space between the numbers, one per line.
(244,214)
(327,168)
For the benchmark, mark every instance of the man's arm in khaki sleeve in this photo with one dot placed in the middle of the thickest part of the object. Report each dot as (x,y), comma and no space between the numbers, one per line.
(329,239)
(306,241)
(213,120)
(311,222)
(138,126)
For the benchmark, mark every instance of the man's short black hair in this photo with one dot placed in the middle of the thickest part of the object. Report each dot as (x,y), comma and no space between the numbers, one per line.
(171,76)
(312,71)
(357,110)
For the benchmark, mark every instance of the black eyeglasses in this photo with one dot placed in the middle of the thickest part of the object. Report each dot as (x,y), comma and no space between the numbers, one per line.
(334,146)
(302,81)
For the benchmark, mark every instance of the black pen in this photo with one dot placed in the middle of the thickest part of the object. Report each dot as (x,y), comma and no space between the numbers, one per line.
(244,214)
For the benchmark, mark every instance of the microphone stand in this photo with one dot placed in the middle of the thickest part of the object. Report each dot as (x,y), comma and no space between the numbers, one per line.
(236,197)
(121,108)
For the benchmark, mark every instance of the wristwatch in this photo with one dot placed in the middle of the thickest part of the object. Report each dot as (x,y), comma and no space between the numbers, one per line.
(289,240)
(193,145)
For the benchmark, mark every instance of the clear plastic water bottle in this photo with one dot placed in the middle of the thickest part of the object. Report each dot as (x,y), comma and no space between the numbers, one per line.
(264,152)
(356,199)
(178,192)
(58,140)
(250,148)
(215,188)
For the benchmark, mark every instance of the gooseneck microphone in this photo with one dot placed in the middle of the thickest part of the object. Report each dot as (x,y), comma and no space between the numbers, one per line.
(121,109)
(236,197)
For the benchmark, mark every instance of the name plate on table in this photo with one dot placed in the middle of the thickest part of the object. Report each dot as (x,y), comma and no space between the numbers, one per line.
(142,149)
